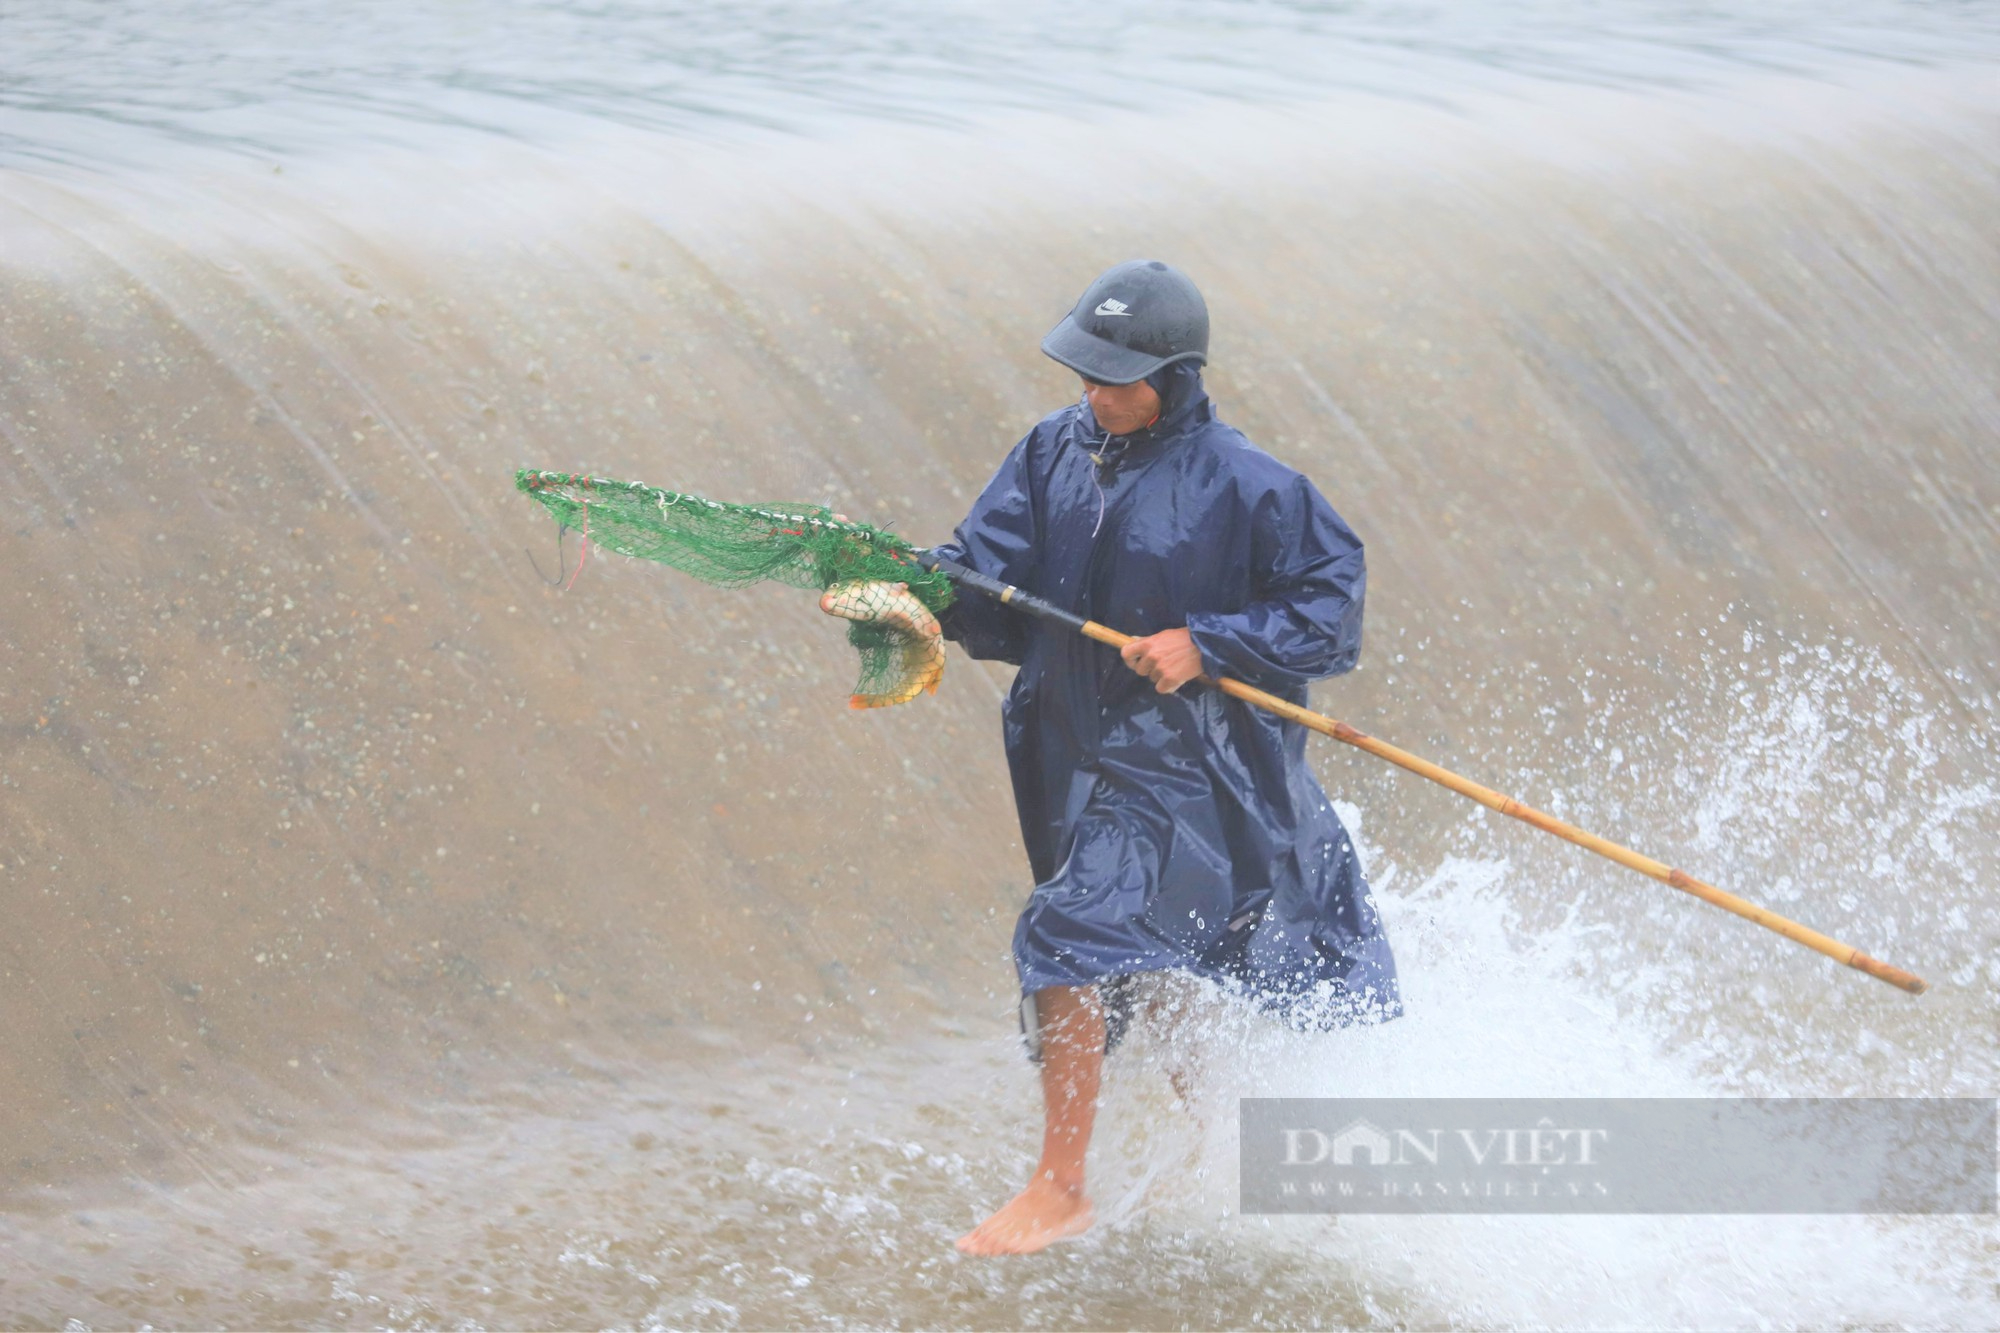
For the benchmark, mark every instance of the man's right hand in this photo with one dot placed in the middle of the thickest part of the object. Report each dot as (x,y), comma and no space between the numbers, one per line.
(1169,659)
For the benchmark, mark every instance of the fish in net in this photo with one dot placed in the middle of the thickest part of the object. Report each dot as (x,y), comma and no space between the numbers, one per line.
(865,575)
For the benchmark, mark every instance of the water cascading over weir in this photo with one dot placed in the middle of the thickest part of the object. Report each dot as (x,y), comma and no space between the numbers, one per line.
(353,869)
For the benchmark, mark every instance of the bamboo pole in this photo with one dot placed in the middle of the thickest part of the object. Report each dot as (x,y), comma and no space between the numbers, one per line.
(1486,796)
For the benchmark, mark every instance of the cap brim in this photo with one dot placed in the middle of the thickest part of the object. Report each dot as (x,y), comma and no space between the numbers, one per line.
(1097,358)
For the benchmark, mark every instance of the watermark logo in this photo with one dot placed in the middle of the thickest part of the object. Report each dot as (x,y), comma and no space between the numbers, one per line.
(1359,1138)
(1667,1155)
(1363,1143)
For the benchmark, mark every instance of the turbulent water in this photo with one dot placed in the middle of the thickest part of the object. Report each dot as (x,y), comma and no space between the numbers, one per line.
(396,939)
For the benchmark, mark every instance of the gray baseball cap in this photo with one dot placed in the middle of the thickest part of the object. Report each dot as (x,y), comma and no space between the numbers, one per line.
(1135,318)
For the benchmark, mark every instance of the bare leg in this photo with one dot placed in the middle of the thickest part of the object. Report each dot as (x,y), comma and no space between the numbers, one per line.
(1054,1205)
(1168,1011)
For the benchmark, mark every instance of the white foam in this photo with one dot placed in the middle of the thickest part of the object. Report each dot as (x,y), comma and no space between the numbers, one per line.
(1493,1013)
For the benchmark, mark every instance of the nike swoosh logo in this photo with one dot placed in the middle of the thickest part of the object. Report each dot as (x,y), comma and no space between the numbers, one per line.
(1109,307)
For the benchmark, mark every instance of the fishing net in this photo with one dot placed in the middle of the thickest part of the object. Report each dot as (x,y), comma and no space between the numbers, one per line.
(863,574)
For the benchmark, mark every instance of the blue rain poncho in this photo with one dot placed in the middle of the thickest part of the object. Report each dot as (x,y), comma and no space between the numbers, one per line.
(1179,831)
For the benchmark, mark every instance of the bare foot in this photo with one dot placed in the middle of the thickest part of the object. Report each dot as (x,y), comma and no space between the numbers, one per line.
(1039,1216)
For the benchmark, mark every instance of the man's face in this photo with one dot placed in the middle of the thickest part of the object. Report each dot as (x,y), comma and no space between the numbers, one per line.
(1122,408)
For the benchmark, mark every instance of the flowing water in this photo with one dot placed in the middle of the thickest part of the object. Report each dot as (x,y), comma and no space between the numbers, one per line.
(394,939)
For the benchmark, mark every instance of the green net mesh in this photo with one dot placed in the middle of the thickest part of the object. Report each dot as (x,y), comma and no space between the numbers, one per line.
(865,575)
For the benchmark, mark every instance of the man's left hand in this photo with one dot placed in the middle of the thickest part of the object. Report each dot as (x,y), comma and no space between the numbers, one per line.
(1169,659)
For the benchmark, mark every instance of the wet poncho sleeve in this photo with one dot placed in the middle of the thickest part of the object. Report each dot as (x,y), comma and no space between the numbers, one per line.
(1304,621)
(998,539)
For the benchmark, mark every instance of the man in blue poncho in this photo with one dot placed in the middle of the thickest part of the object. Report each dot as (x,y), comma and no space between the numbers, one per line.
(1170,828)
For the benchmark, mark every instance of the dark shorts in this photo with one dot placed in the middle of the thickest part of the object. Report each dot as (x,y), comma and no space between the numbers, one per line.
(1228,964)
(1121,996)
(1116,994)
